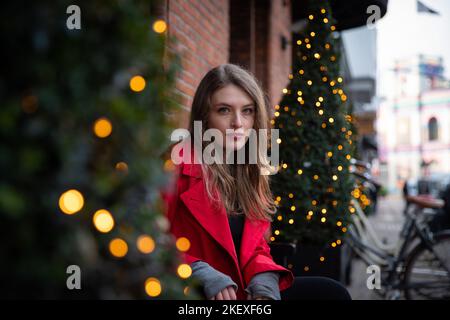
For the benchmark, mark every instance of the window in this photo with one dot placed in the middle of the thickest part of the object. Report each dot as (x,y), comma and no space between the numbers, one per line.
(432,129)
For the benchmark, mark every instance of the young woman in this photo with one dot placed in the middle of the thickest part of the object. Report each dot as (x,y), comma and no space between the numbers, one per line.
(224,207)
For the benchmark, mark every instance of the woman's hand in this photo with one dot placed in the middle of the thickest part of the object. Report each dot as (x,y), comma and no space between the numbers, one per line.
(226,294)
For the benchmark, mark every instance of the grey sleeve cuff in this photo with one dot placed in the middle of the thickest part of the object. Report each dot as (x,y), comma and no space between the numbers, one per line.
(212,280)
(265,284)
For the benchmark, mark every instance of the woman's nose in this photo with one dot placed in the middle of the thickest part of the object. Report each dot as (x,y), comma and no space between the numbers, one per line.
(236,121)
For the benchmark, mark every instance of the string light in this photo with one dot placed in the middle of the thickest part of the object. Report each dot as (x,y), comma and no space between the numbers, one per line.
(324,210)
(291,221)
(137,83)
(145,244)
(312,34)
(279,141)
(299,42)
(159,26)
(277,232)
(102,127)
(71,201)
(153,287)
(122,166)
(285,90)
(293,208)
(300,171)
(323,219)
(310,17)
(309,82)
(290,195)
(103,220)
(183,244)
(330,120)
(118,248)
(325,20)
(184,271)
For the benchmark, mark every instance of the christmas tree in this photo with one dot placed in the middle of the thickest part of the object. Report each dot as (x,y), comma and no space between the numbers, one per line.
(84,93)
(313,186)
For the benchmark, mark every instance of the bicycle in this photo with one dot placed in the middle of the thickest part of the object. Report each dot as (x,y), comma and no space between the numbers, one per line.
(418,264)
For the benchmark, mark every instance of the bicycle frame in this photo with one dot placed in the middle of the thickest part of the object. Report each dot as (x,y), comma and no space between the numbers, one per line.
(369,248)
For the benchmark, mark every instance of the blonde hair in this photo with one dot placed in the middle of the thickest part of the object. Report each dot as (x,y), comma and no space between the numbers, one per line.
(252,194)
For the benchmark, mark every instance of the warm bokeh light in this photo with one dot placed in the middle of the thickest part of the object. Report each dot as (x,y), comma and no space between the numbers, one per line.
(184,271)
(71,201)
(159,26)
(152,287)
(183,244)
(137,83)
(102,127)
(122,166)
(118,248)
(145,244)
(169,165)
(103,220)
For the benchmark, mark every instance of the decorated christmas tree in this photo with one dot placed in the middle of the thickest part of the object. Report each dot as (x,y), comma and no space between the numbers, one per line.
(313,187)
(84,91)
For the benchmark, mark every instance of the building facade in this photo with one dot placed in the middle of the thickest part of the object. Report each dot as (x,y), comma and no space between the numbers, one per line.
(414,127)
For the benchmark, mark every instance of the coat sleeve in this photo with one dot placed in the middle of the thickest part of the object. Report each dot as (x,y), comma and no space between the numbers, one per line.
(262,261)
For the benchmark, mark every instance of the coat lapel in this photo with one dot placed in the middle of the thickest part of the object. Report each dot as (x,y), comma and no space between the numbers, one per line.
(215,221)
(253,232)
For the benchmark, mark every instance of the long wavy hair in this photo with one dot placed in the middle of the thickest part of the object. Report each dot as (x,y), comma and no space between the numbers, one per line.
(240,187)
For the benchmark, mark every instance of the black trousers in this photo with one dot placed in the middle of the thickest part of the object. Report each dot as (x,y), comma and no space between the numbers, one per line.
(315,288)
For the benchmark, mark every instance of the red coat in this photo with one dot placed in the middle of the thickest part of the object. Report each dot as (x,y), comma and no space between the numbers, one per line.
(191,215)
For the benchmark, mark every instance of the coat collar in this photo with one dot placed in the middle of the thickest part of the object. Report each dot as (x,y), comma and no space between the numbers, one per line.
(215,221)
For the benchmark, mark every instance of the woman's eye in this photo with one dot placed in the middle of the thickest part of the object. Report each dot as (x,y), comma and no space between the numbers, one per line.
(248,111)
(223,110)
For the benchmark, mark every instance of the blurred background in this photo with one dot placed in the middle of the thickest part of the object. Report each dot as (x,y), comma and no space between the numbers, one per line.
(90,93)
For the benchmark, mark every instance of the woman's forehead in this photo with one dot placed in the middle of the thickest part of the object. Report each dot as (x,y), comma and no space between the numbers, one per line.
(231,95)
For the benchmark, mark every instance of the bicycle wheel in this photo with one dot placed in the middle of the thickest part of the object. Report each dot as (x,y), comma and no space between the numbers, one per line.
(427,275)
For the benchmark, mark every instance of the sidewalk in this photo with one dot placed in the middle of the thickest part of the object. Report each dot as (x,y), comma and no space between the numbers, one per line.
(387,222)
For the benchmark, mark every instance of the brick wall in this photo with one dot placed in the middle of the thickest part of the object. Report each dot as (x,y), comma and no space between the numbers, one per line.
(202,30)
(279,60)
(205,31)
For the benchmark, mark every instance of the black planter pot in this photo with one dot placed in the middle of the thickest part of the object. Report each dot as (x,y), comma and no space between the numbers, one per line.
(306,260)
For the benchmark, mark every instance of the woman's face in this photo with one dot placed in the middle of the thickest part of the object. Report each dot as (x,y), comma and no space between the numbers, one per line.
(232,108)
